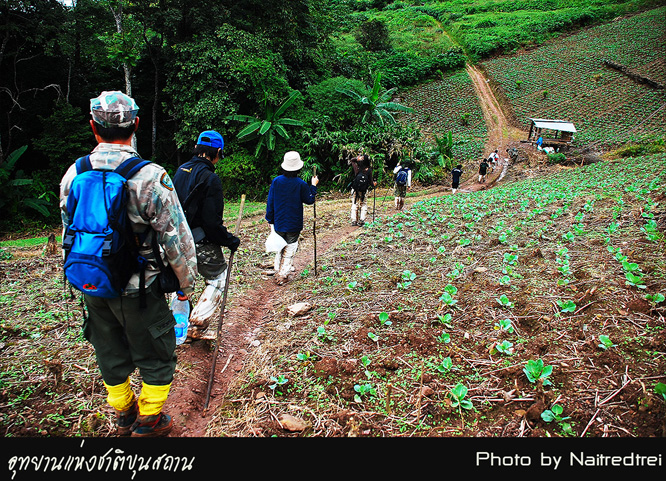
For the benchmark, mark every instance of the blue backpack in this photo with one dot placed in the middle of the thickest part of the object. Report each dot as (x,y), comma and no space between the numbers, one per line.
(401,177)
(101,250)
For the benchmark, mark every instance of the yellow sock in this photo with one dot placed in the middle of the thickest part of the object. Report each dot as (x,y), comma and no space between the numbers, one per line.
(152,399)
(120,397)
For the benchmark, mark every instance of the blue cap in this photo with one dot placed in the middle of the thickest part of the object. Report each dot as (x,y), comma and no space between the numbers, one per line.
(211,139)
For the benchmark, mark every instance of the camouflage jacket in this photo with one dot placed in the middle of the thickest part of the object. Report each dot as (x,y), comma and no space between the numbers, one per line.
(152,203)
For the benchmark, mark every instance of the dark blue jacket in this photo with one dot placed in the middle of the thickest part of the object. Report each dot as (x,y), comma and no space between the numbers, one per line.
(284,208)
(205,207)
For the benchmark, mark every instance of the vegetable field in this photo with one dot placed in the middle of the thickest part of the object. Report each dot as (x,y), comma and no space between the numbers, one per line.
(531,309)
(568,80)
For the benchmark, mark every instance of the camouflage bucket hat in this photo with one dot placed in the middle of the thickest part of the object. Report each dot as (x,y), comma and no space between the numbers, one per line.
(113,109)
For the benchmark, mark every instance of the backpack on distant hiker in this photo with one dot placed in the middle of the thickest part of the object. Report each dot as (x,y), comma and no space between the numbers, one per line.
(101,250)
(361,182)
(401,177)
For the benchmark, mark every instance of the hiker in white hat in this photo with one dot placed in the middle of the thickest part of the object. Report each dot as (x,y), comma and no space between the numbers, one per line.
(284,210)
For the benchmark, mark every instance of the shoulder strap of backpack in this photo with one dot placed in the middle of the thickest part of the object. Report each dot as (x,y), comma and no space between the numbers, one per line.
(131,166)
(83,164)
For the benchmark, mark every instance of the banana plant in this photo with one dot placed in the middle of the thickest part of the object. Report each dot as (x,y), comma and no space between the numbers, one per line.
(269,128)
(377,105)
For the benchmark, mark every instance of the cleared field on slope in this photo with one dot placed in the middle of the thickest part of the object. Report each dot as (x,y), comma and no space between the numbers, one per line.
(568,80)
(450,104)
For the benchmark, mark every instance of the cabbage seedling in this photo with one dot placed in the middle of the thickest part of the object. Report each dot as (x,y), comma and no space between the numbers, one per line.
(458,394)
(504,325)
(445,366)
(566,306)
(363,389)
(504,301)
(383,319)
(606,343)
(505,347)
(537,371)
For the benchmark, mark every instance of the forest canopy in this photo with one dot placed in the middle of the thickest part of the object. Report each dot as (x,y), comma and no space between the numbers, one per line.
(204,65)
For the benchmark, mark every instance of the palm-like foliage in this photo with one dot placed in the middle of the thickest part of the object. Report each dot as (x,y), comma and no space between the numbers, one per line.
(268,129)
(443,153)
(377,105)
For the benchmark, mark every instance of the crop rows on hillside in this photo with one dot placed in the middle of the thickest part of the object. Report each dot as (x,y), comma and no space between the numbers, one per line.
(450,104)
(482,314)
(568,80)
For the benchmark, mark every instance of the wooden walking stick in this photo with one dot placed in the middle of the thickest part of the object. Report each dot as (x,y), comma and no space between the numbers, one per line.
(314,224)
(374,196)
(224,302)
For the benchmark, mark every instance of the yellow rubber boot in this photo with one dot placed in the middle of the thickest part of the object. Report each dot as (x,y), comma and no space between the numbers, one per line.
(151,420)
(121,398)
(152,399)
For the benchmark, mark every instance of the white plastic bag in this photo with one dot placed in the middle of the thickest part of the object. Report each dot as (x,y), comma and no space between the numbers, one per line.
(275,242)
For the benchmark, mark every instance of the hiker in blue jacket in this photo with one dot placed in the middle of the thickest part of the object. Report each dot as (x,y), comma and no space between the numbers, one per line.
(284,210)
(200,192)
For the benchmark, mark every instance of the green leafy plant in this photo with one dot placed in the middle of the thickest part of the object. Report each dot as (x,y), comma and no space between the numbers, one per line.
(537,371)
(278,380)
(504,301)
(566,306)
(377,105)
(445,319)
(605,342)
(504,347)
(270,127)
(555,414)
(445,366)
(384,319)
(504,325)
(303,356)
(407,278)
(444,337)
(458,394)
(660,389)
(634,280)
(655,299)
(363,390)
(365,360)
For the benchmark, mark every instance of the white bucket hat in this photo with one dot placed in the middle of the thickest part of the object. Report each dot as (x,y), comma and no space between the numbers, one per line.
(292,161)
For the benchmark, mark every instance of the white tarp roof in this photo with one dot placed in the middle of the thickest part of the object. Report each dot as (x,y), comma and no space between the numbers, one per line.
(562,125)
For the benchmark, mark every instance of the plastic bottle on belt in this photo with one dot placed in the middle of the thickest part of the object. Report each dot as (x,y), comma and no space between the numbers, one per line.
(180,307)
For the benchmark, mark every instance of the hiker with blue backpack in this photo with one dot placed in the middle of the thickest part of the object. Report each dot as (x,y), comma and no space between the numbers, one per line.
(362,182)
(126,244)
(200,193)
(403,180)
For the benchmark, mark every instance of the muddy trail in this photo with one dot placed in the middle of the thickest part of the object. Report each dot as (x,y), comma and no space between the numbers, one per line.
(244,317)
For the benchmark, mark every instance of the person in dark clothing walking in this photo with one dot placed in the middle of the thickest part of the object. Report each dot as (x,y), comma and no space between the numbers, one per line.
(363,181)
(483,170)
(200,192)
(284,210)
(455,178)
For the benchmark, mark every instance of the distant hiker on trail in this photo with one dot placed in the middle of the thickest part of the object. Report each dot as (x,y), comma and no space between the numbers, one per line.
(403,180)
(134,329)
(363,181)
(455,178)
(284,210)
(200,193)
(483,170)
(493,158)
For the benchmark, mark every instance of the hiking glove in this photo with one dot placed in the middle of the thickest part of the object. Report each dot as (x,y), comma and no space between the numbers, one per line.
(234,244)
